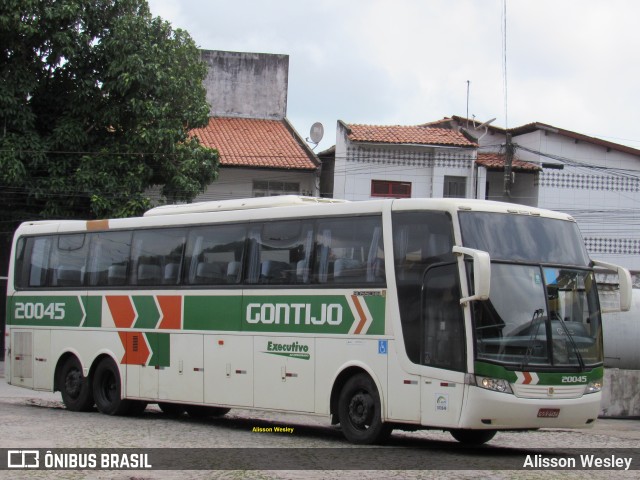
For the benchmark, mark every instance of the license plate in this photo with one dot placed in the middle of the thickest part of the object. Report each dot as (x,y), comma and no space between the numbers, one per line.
(548,413)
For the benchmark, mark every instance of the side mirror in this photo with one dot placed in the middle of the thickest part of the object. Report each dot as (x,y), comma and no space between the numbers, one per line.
(624,280)
(481,273)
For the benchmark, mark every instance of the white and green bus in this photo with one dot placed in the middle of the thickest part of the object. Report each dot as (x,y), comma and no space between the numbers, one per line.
(453,314)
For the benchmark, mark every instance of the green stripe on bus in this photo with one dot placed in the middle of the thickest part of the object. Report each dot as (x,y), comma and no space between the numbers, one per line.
(362,314)
(328,314)
(212,312)
(147,310)
(544,378)
(160,349)
(93,309)
(49,311)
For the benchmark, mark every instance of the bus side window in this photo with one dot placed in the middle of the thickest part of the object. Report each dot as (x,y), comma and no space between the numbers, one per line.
(39,251)
(281,252)
(154,254)
(214,254)
(109,258)
(21,269)
(349,250)
(69,259)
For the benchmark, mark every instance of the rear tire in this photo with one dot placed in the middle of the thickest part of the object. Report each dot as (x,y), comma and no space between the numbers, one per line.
(107,389)
(75,387)
(473,437)
(360,412)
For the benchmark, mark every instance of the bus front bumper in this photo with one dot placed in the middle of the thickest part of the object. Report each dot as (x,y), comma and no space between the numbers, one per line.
(486,409)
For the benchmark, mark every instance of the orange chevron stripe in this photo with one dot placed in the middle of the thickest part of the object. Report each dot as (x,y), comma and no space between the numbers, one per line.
(171,306)
(363,317)
(121,310)
(123,339)
(136,351)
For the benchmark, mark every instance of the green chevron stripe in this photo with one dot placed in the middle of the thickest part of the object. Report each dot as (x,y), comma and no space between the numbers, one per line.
(148,313)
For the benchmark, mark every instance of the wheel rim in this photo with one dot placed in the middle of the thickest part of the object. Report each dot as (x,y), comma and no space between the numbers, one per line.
(361,409)
(73,383)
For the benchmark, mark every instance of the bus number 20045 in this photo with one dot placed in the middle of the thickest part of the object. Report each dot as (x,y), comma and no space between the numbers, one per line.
(39,311)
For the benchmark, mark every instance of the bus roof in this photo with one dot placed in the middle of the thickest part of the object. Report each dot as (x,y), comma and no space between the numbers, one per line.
(239,204)
(281,207)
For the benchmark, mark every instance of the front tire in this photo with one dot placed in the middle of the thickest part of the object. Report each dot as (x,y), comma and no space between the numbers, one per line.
(74,387)
(473,437)
(360,412)
(107,389)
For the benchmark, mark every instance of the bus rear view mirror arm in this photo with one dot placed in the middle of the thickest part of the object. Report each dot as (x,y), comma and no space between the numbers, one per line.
(481,273)
(624,280)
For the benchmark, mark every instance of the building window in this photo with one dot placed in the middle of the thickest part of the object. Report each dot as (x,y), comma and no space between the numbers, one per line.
(455,187)
(385,188)
(269,188)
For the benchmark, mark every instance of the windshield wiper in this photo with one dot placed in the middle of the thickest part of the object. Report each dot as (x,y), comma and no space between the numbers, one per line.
(573,343)
(536,315)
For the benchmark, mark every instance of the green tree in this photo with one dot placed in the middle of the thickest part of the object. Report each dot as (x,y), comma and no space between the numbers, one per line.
(97,98)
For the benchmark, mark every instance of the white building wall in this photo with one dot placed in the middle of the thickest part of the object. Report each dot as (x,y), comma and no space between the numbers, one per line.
(425,167)
(600,188)
(357,165)
(238,182)
(246,85)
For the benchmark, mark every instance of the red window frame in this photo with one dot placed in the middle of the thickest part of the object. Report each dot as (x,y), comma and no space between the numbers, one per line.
(390,189)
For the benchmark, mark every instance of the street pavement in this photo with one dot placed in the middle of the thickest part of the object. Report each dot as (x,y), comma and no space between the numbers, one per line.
(30,419)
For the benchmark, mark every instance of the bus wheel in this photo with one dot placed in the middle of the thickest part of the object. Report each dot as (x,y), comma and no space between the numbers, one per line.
(107,389)
(473,437)
(200,411)
(359,411)
(75,387)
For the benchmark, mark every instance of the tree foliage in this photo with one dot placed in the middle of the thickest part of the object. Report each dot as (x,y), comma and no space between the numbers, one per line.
(96,101)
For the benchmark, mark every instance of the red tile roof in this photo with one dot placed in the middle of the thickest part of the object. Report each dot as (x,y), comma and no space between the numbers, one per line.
(249,142)
(420,135)
(495,161)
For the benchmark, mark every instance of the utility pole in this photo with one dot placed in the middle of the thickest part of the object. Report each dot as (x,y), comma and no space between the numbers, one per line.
(508,161)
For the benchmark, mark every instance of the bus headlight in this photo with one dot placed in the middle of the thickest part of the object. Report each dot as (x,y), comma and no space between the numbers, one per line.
(494,384)
(593,387)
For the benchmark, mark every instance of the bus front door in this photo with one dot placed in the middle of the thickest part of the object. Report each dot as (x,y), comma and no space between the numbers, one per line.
(442,346)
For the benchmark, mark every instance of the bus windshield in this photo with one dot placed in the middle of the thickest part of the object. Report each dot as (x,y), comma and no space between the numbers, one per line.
(543,310)
(524,238)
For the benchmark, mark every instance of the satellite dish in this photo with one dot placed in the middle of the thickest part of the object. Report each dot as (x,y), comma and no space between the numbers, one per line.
(317,132)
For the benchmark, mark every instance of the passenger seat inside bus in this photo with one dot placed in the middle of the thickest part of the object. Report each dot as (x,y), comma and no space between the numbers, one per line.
(68,276)
(272,271)
(211,272)
(171,273)
(233,270)
(149,274)
(302,271)
(348,270)
(117,275)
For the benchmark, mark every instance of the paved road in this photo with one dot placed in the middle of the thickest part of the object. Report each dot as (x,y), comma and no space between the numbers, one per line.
(31,419)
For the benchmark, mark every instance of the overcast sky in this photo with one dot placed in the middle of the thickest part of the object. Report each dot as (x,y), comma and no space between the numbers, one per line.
(574,64)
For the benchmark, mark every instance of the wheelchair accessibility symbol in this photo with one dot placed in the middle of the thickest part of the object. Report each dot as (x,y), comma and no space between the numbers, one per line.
(382,347)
